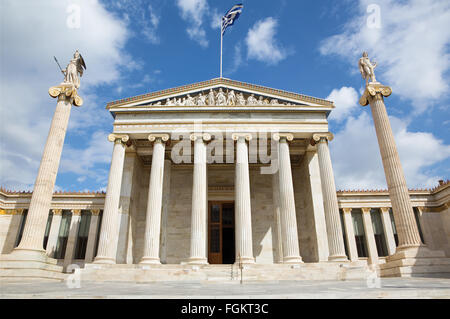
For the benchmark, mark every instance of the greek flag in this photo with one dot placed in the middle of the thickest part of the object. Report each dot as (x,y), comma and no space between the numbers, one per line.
(230,16)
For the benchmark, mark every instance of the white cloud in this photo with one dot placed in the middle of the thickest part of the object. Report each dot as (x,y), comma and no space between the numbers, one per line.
(411,47)
(346,100)
(29,41)
(357,161)
(262,44)
(216,19)
(193,11)
(83,161)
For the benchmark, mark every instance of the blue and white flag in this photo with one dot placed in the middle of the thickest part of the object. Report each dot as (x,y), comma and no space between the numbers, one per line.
(231,16)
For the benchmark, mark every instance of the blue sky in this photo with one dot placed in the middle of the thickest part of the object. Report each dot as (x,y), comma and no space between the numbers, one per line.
(310,47)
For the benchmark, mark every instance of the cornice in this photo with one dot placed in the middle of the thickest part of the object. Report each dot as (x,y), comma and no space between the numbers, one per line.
(220,81)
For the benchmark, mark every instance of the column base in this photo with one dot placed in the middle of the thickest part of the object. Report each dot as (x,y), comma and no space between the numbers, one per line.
(416,262)
(292,260)
(104,260)
(26,264)
(150,261)
(338,258)
(244,260)
(197,261)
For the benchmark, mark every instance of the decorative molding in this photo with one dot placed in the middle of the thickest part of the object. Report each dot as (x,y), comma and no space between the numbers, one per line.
(205,136)
(76,212)
(372,89)
(217,82)
(347,210)
(122,138)
(278,136)
(318,136)
(11,211)
(159,137)
(67,90)
(57,212)
(247,136)
(95,212)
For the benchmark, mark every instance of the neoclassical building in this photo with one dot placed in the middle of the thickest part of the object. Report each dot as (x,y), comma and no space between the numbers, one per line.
(217,175)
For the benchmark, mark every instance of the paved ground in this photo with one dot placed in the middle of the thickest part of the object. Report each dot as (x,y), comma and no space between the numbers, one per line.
(385,288)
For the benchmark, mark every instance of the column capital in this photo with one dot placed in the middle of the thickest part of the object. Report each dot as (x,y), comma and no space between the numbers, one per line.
(57,212)
(66,91)
(278,136)
(366,210)
(204,136)
(372,90)
(384,209)
(318,137)
(118,138)
(158,137)
(95,212)
(76,212)
(347,210)
(237,136)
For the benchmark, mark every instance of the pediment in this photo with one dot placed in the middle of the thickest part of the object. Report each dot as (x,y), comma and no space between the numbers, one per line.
(219,92)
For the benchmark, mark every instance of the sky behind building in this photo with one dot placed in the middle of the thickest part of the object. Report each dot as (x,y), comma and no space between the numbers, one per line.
(135,47)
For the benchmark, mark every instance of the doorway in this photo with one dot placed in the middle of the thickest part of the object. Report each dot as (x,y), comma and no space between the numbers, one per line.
(221,245)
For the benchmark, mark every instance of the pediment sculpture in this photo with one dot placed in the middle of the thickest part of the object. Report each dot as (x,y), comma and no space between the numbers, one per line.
(220,97)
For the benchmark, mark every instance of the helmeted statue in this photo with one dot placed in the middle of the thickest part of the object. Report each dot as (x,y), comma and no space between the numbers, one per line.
(74,70)
(367,68)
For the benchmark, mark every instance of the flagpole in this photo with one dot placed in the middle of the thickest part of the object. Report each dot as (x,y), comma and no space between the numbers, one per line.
(221,47)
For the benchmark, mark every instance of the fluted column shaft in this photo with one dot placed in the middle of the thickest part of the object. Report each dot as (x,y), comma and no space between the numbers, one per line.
(53,233)
(350,234)
(289,231)
(330,203)
(34,230)
(107,245)
(388,231)
(244,242)
(199,243)
(153,218)
(92,237)
(370,237)
(408,234)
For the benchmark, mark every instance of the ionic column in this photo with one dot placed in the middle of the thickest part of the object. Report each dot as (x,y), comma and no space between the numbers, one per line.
(107,245)
(408,234)
(54,232)
(370,237)
(92,237)
(244,242)
(34,231)
(276,215)
(289,231)
(330,203)
(350,234)
(199,243)
(153,216)
(72,237)
(388,231)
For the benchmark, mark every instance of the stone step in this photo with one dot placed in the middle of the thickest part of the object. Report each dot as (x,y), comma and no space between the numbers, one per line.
(408,271)
(31,274)
(417,262)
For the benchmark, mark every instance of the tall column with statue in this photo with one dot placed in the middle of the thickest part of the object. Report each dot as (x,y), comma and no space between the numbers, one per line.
(410,246)
(31,245)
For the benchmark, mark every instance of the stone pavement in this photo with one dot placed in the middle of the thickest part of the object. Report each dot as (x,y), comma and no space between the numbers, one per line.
(355,289)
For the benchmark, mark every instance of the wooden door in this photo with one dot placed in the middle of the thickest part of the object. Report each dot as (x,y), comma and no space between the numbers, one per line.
(221,233)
